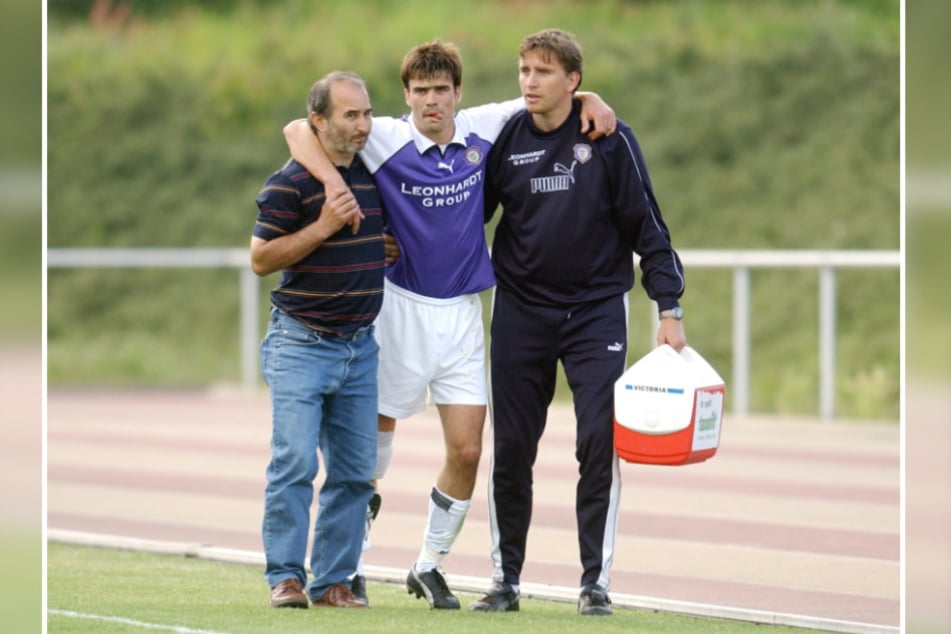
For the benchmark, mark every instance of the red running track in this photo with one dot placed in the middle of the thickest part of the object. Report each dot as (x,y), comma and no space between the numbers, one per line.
(791,516)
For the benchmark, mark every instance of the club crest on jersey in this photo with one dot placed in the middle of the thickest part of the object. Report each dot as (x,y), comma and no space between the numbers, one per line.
(473,155)
(582,152)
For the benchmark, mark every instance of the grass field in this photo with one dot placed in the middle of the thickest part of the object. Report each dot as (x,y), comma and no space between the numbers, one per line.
(111,591)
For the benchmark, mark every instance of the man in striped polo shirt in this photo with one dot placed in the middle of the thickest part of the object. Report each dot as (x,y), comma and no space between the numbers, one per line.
(319,356)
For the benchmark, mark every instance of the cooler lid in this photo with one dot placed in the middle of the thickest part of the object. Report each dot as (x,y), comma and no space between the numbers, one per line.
(656,394)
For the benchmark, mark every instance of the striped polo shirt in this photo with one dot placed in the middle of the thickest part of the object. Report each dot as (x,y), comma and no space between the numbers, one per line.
(338,287)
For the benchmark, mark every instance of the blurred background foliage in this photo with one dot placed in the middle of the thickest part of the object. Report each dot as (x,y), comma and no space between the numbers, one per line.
(765,124)
(21,129)
(928,165)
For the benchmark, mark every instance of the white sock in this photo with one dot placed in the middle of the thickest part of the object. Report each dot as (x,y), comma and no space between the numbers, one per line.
(446,516)
(384,453)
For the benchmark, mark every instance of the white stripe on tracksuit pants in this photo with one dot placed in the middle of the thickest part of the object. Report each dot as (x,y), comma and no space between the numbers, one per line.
(523,368)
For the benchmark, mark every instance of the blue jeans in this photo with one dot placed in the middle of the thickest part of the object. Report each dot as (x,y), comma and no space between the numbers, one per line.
(323,394)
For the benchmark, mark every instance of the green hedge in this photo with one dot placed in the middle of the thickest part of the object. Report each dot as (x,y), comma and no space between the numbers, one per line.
(765,125)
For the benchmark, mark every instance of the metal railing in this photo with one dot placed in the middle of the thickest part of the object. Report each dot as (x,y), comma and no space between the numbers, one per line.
(826,262)
(740,261)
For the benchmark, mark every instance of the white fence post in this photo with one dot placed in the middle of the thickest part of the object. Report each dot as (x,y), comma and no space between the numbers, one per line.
(249,327)
(740,388)
(827,308)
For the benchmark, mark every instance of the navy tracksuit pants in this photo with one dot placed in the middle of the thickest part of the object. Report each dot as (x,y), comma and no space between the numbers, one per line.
(527,342)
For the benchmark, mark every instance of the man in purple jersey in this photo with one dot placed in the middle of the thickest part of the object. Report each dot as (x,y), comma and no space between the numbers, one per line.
(573,213)
(430,168)
(319,357)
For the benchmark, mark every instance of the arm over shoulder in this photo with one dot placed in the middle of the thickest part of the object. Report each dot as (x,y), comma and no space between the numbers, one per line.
(488,119)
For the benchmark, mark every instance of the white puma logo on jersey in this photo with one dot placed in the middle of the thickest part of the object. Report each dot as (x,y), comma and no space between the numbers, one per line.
(562,183)
(616,347)
(446,166)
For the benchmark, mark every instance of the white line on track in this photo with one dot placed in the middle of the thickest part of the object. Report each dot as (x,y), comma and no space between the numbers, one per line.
(119,619)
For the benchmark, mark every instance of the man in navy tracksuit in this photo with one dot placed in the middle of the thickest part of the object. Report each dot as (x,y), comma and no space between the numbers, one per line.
(573,212)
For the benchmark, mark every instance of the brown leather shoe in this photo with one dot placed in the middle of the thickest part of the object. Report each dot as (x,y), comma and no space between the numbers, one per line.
(288,594)
(339,596)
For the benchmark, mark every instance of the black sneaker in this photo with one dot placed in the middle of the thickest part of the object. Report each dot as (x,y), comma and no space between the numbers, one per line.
(373,509)
(594,601)
(358,586)
(432,585)
(501,597)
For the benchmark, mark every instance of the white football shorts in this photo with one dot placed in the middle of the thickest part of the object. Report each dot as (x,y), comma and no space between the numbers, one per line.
(427,343)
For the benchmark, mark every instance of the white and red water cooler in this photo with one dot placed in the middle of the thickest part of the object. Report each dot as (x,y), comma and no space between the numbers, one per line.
(668,408)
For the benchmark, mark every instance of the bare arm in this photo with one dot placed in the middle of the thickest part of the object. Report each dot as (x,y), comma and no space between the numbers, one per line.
(597,117)
(269,256)
(306,149)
